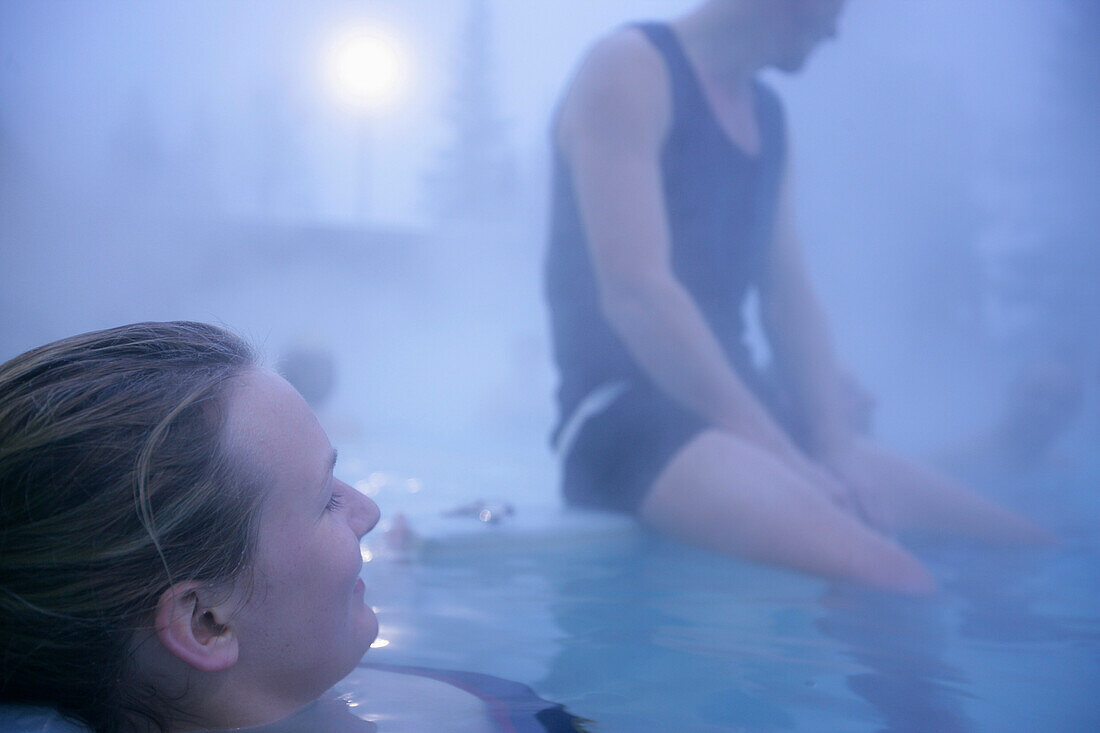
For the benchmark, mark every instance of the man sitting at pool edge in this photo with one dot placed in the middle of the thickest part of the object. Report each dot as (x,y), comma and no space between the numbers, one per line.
(672,202)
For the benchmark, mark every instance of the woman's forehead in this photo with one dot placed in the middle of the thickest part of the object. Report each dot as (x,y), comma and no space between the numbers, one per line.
(269,424)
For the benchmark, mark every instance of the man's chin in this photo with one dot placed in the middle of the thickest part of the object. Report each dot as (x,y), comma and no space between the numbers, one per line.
(793,64)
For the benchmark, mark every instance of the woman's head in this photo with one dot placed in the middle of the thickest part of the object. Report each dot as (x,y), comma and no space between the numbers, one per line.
(143,473)
(300,624)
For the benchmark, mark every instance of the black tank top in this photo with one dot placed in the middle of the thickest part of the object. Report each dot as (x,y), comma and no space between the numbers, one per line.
(721,206)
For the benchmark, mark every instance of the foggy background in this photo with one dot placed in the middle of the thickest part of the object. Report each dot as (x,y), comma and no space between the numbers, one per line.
(168,160)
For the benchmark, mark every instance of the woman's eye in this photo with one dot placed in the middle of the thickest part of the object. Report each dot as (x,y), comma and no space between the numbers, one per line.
(335,502)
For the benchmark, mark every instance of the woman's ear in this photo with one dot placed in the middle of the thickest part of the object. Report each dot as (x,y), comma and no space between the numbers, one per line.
(197,633)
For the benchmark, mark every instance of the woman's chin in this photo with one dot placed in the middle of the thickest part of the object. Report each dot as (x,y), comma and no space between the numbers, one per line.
(368,627)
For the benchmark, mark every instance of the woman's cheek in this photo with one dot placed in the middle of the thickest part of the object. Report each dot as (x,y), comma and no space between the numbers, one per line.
(347,553)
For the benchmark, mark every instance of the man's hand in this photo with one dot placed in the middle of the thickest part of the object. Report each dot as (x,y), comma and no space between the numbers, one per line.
(852,470)
(834,485)
(771,438)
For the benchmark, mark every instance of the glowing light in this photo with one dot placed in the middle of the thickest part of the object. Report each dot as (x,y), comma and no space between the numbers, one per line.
(364,486)
(366,553)
(367,68)
(372,484)
(379,643)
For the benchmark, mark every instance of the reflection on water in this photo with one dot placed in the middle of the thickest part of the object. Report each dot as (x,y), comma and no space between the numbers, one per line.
(900,644)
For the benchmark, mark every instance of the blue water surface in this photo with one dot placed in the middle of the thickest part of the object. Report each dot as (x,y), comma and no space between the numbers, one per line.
(643,634)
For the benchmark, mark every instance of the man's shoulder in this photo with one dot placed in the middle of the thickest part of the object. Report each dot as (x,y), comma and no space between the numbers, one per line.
(624,57)
(622,74)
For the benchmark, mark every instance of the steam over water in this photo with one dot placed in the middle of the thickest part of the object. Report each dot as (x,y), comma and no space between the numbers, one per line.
(198,159)
(195,160)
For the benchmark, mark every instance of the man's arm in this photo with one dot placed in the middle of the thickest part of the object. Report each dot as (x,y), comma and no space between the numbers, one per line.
(798,335)
(611,128)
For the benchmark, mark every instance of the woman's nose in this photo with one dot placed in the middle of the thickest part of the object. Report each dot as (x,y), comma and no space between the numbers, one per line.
(364,512)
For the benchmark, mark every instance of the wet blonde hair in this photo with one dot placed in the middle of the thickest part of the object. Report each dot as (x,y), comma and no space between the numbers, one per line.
(114,483)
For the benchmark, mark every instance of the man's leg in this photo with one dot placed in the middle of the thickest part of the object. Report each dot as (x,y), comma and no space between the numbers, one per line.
(724,494)
(903,495)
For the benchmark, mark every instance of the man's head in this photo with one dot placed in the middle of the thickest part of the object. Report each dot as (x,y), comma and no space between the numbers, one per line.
(783,32)
(799,26)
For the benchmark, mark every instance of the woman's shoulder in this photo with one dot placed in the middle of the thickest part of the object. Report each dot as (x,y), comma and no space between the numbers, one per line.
(418,697)
(27,719)
(386,698)
(403,699)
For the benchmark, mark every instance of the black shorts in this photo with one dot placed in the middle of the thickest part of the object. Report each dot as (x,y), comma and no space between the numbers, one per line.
(617,454)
